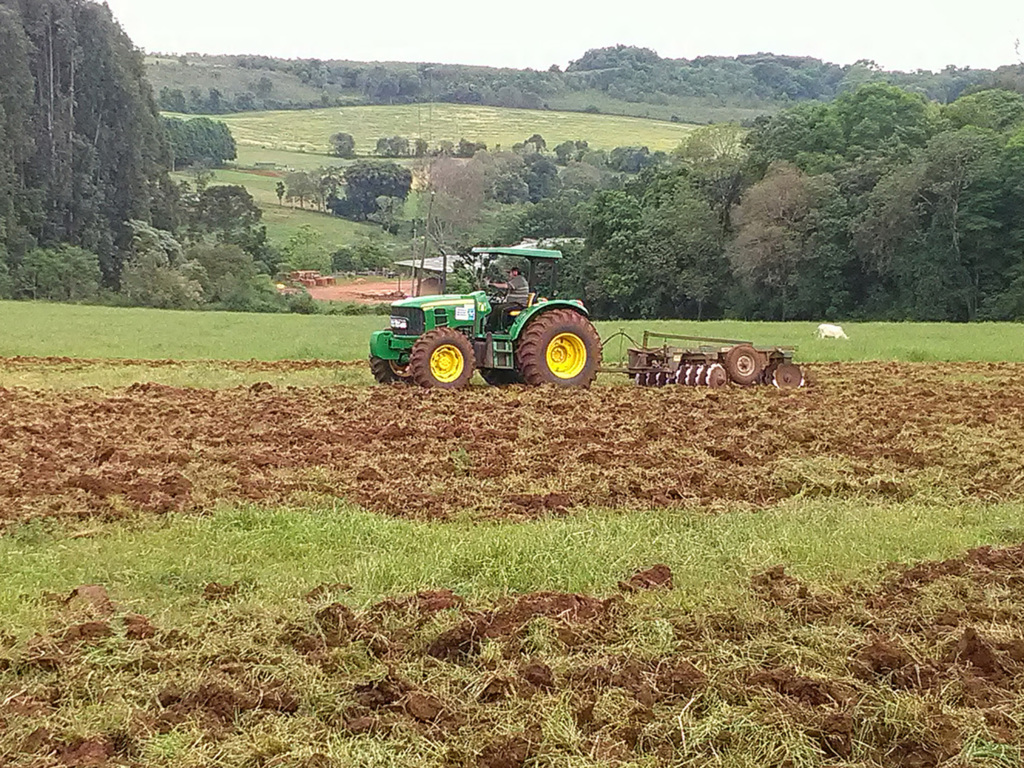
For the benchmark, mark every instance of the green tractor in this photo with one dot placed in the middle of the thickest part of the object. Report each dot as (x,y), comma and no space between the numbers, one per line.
(439,341)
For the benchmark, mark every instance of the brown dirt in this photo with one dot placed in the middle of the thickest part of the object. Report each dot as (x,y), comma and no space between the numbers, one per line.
(656,577)
(214,591)
(365,292)
(465,639)
(511,752)
(916,429)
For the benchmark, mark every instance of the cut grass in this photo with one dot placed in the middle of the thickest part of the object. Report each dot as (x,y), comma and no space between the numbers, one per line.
(310,130)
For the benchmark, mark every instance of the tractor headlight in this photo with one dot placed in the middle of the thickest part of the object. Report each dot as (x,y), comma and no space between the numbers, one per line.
(399,323)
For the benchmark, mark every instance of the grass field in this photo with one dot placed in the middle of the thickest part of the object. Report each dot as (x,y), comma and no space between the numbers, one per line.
(687,110)
(250,567)
(310,130)
(38,329)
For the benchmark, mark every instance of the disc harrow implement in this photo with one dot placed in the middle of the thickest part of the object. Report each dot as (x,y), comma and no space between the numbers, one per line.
(704,362)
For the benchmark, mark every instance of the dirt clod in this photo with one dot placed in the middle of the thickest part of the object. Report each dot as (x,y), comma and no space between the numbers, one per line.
(86,752)
(423,707)
(325,590)
(539,675)
(377,694)
(509,752)
(138,627)
(93,596)
(656,577)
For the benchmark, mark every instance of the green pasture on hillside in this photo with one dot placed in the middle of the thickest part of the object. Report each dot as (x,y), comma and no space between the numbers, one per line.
(41,329)
(310,130)
(284,219)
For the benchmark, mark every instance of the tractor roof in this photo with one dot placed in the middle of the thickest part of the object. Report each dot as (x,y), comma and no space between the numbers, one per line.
(527,253)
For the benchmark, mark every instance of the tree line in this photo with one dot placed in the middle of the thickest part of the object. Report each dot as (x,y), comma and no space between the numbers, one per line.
(879,205)
(623,73)
(87,209)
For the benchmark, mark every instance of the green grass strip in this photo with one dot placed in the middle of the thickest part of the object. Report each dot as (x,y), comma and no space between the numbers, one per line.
(162,564)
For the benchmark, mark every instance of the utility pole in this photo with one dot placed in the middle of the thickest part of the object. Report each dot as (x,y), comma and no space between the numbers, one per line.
(426,237)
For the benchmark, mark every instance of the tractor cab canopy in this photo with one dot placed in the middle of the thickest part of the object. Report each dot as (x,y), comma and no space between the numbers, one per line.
(543,280)
(526,253)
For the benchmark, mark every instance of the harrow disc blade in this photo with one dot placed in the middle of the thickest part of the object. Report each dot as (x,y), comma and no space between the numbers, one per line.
(717,377)
(788,376)
(691,375)
(701,377)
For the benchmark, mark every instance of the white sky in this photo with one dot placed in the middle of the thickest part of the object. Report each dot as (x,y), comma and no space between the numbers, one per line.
(898,34)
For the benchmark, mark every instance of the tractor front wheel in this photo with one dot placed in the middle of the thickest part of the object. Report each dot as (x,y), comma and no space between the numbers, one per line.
(442,358)
(389,372)
(559,347)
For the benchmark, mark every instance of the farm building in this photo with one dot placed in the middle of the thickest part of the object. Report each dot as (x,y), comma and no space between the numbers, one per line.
(425,274)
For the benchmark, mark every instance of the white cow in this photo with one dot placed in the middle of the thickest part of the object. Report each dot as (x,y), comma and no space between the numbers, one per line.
(829,331)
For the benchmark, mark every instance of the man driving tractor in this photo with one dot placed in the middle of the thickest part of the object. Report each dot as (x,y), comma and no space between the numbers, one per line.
(517,296)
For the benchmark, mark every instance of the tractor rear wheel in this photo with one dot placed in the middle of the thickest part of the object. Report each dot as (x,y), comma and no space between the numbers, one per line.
(389,372)
(500,377)
(743,364)
(559,347)
(442,358)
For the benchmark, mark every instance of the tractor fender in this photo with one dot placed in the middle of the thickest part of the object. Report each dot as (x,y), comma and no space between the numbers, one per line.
(545,306)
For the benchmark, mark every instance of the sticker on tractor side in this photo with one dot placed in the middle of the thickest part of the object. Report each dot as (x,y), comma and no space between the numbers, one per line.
(465,313)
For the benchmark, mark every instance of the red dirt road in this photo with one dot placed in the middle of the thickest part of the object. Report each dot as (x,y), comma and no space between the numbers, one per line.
(366,292)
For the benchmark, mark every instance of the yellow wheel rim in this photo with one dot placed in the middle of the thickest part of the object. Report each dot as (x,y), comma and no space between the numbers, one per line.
(566,356)
(447,363)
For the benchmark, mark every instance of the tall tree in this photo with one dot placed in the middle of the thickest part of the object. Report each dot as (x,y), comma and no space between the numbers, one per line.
(775,230)
(86,142)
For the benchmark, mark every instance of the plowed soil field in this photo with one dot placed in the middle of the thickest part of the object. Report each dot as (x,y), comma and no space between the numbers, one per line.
(881,429)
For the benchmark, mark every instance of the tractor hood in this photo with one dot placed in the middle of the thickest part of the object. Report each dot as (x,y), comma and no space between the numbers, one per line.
(479,299)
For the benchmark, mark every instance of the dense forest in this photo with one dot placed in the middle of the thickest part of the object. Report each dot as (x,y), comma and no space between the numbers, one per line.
(81,149)
(87,209)
(603,79)
(879,205)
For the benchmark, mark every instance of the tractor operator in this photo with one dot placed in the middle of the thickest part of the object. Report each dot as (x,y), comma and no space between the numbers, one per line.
(517,296)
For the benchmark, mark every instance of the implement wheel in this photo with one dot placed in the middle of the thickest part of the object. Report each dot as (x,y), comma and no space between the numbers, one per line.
(743,364)
(500,377)
(389,372)
(559,347)
(443,359)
